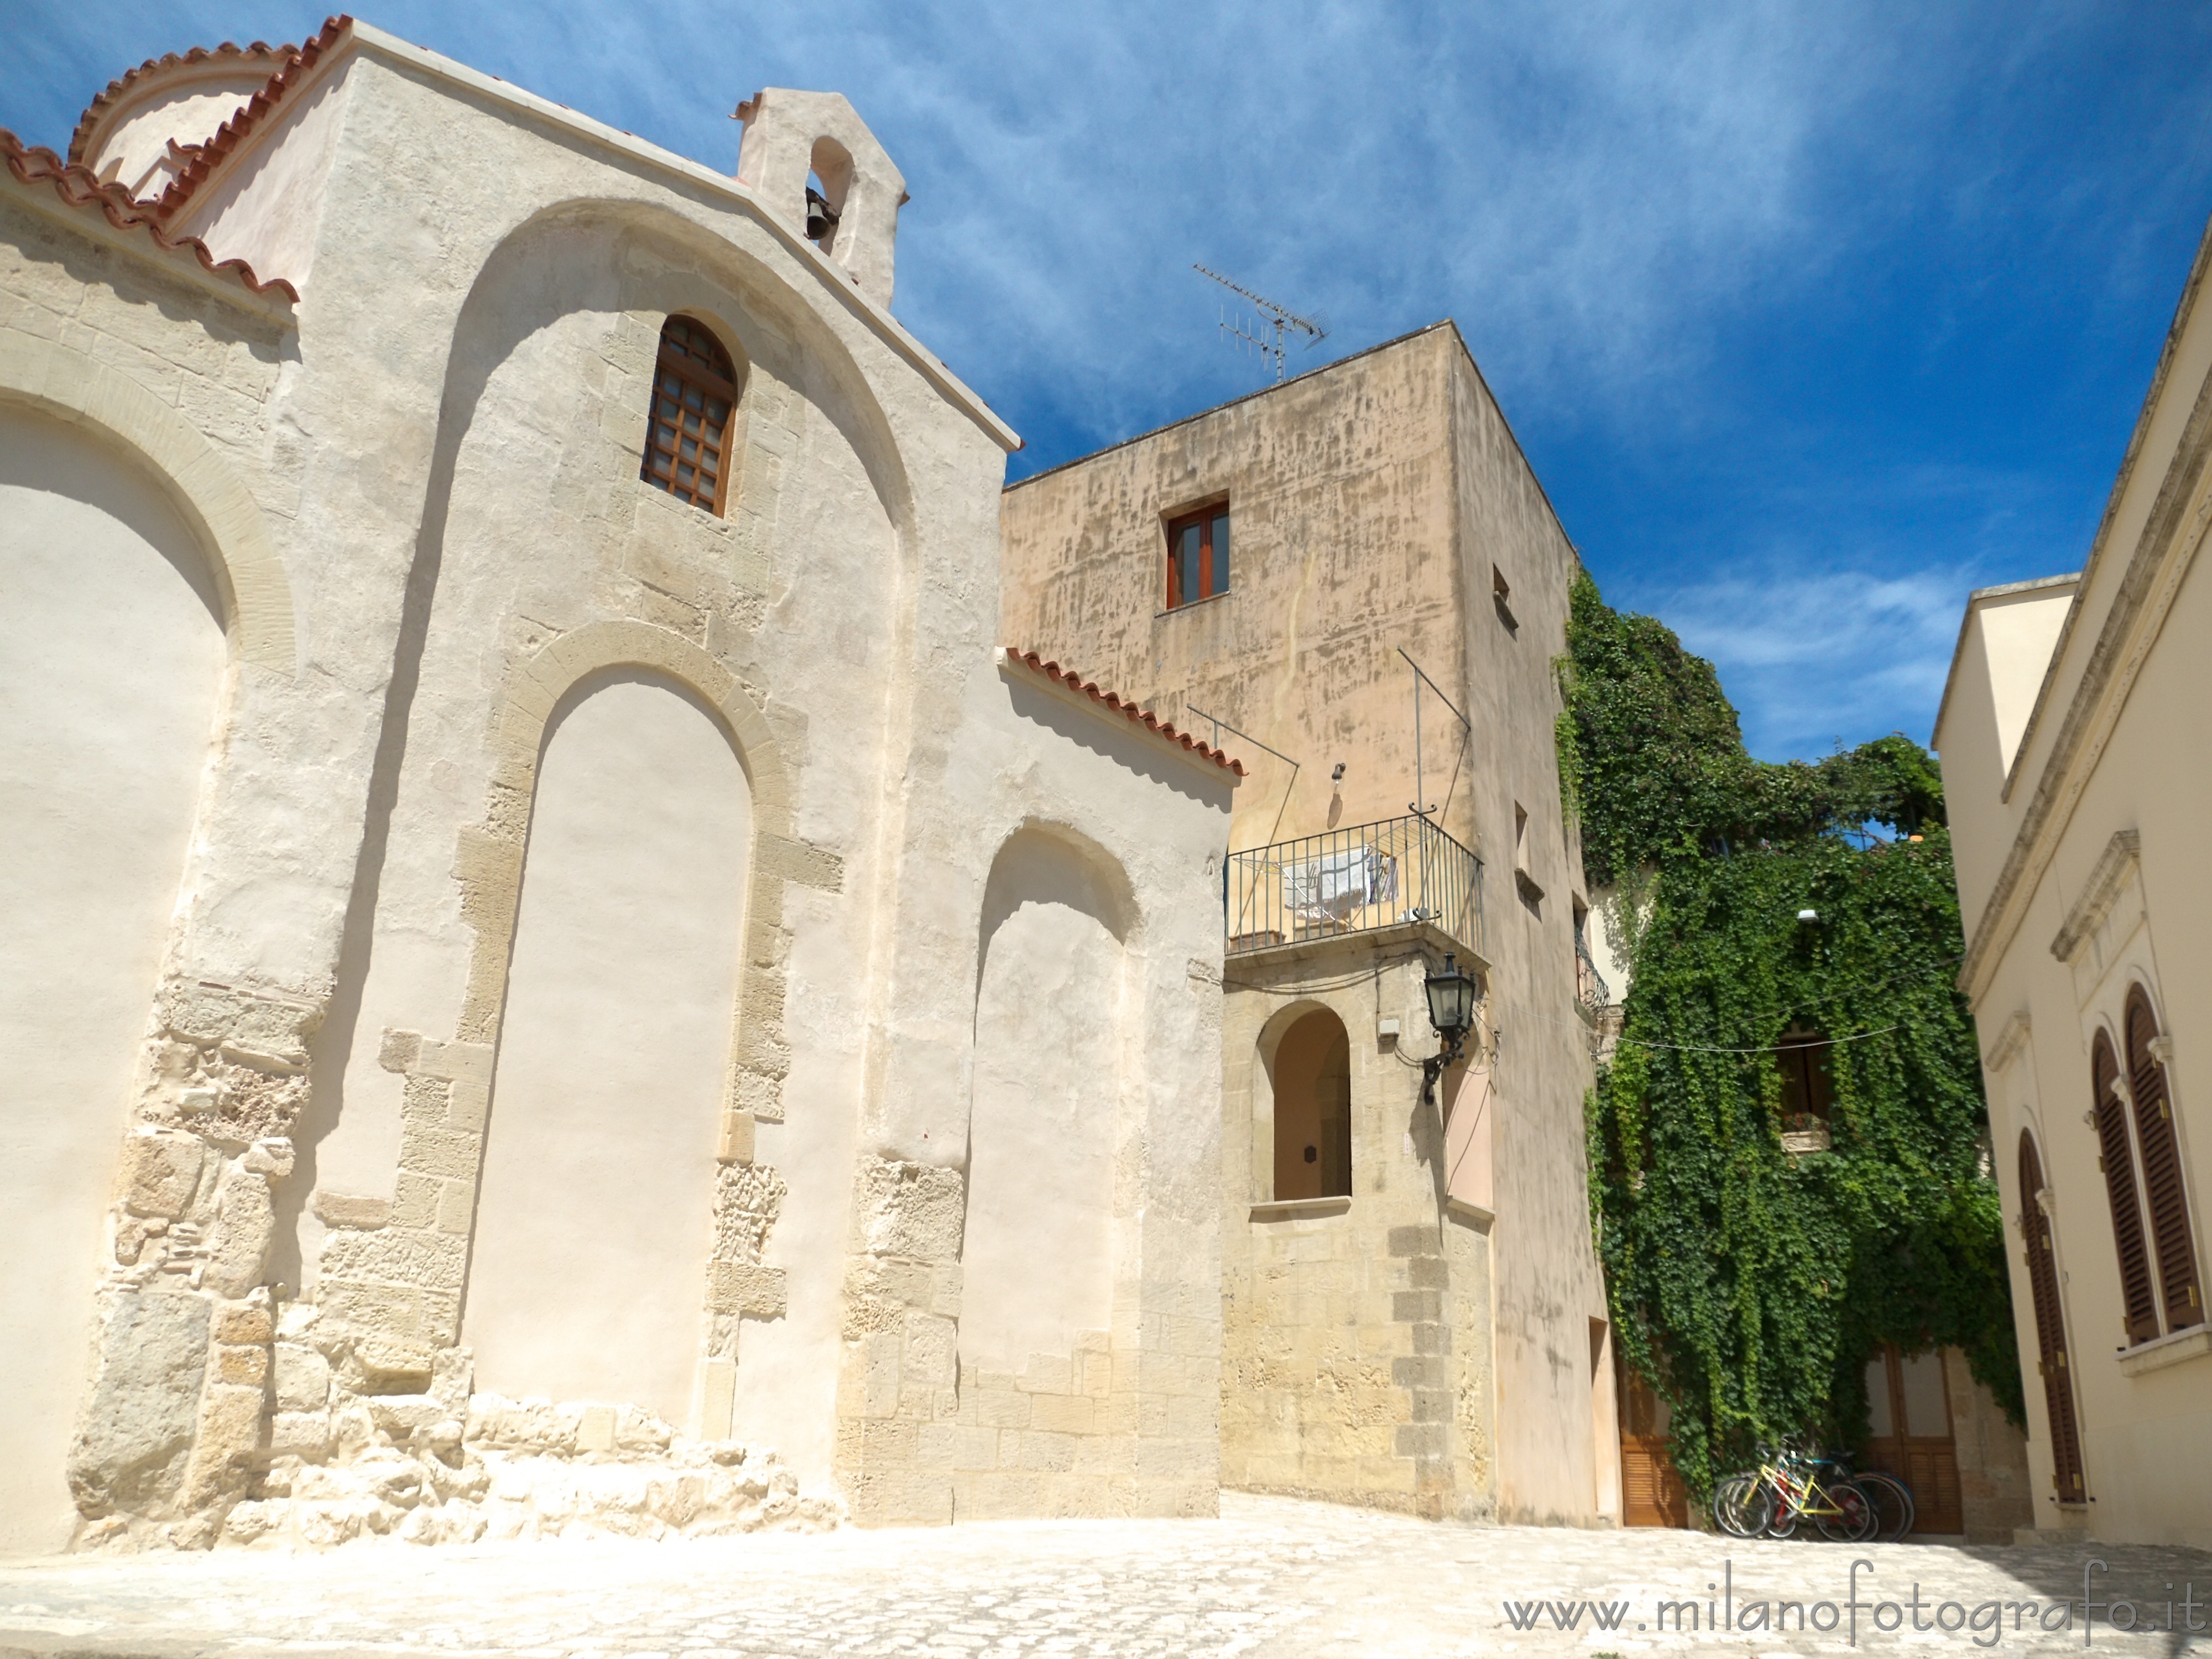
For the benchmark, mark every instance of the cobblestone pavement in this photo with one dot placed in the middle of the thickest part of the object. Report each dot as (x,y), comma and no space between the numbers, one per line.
(1271,1576)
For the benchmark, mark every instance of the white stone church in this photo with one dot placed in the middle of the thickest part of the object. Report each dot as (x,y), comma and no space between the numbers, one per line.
(558,975)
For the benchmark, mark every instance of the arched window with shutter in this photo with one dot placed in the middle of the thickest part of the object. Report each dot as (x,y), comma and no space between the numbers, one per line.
(2172,1246)
(2116,1157)
(2050,1329)
(694,394)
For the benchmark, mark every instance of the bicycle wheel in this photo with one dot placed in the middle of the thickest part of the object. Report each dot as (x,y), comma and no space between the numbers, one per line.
(1742,1505)
(1893,1502)
(1782,1513)
(1846,1515)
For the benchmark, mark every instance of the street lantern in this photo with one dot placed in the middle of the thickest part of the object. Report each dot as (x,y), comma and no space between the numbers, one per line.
(1451,1002)
(1451,991)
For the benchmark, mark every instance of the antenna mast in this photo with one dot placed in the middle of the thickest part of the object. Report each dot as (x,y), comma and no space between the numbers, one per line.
(1281,318)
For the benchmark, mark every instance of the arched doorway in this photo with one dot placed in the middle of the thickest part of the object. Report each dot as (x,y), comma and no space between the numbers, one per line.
(109,686)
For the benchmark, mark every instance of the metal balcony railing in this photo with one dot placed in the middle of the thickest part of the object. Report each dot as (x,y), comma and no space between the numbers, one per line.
(1352,881)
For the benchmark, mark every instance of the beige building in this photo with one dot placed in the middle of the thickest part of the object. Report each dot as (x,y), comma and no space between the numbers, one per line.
(557,980)
(2080,781)
(1356,580)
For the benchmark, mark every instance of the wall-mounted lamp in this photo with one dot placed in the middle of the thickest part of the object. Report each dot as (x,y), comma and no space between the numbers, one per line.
(1808,916)
(1337,776)
(1451,991)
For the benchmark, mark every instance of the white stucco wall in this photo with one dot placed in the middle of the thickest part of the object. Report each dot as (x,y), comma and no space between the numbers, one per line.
(109,688)
(597,1205)
(1038,1246)
(425,482)
(266,208)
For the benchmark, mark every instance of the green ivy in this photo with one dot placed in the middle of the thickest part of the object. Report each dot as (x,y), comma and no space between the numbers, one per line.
(1750,1286)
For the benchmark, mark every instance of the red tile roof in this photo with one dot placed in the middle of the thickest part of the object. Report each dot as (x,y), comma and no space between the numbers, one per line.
(209,156)
(79,188)
(1074,682)
(259,52)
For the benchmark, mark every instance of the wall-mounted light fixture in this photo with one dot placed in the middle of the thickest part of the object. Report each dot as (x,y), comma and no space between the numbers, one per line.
(1451,992)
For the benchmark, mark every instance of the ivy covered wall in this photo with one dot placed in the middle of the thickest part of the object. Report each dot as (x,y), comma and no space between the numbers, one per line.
(1749,1285)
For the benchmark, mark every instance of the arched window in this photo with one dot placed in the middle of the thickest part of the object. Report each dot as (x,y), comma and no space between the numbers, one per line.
(2173,1247)
(687,442)
(2139,1309)
(2050,1329)
(1312,1077)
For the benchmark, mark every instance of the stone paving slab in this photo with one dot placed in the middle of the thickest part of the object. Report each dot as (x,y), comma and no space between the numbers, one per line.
(1271,1576)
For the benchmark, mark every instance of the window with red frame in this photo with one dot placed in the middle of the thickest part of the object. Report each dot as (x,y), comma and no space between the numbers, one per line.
(1198,555)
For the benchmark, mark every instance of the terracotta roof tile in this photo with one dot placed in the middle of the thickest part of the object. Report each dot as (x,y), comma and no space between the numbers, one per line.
(211,155)
(78,187)
(259,52)
(1074,682)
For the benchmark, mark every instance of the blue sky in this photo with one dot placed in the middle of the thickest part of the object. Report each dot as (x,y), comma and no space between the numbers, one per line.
(1810,317)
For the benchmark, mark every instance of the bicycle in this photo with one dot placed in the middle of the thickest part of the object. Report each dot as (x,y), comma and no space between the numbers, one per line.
(1891,1497)
(1788,1487)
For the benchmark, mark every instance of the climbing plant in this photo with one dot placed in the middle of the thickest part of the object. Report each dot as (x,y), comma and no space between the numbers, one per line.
(1749,1285)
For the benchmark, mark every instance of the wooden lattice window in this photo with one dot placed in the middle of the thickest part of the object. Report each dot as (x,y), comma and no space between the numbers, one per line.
(2173,1249)
(2050,1330)
(694,391)
(2116,1157)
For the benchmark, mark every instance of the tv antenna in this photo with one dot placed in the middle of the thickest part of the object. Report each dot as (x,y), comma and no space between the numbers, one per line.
(1280,319)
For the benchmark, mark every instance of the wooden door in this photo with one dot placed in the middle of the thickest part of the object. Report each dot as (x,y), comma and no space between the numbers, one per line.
(1651,1490)
(1911,1435)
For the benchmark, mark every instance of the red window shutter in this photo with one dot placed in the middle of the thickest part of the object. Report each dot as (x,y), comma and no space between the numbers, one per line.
(2168,1200)
(2139,1307)
(2050,1331)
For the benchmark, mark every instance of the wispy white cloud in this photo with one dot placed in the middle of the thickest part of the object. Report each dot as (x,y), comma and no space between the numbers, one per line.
(1813,658)
(1599,190)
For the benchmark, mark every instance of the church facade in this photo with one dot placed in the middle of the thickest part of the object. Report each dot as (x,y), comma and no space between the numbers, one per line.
(562,978)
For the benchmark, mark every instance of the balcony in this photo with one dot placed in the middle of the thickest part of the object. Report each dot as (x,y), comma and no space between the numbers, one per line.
(1400,872)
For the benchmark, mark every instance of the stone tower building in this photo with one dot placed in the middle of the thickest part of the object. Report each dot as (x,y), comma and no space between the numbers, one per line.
(1356,580)
(530,881)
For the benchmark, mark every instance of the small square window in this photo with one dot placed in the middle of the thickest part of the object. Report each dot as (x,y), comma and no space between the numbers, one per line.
(1198,555)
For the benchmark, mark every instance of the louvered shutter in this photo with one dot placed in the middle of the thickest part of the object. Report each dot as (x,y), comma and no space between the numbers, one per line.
(2173,1247)
(2139,1308)
(2050,1331)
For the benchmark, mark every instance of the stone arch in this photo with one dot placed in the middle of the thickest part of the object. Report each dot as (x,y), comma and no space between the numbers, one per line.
(1114,894)
(489,866)
(727,277)
(1303,1070)
(610,1071)
(205,489)
(1055,1008)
